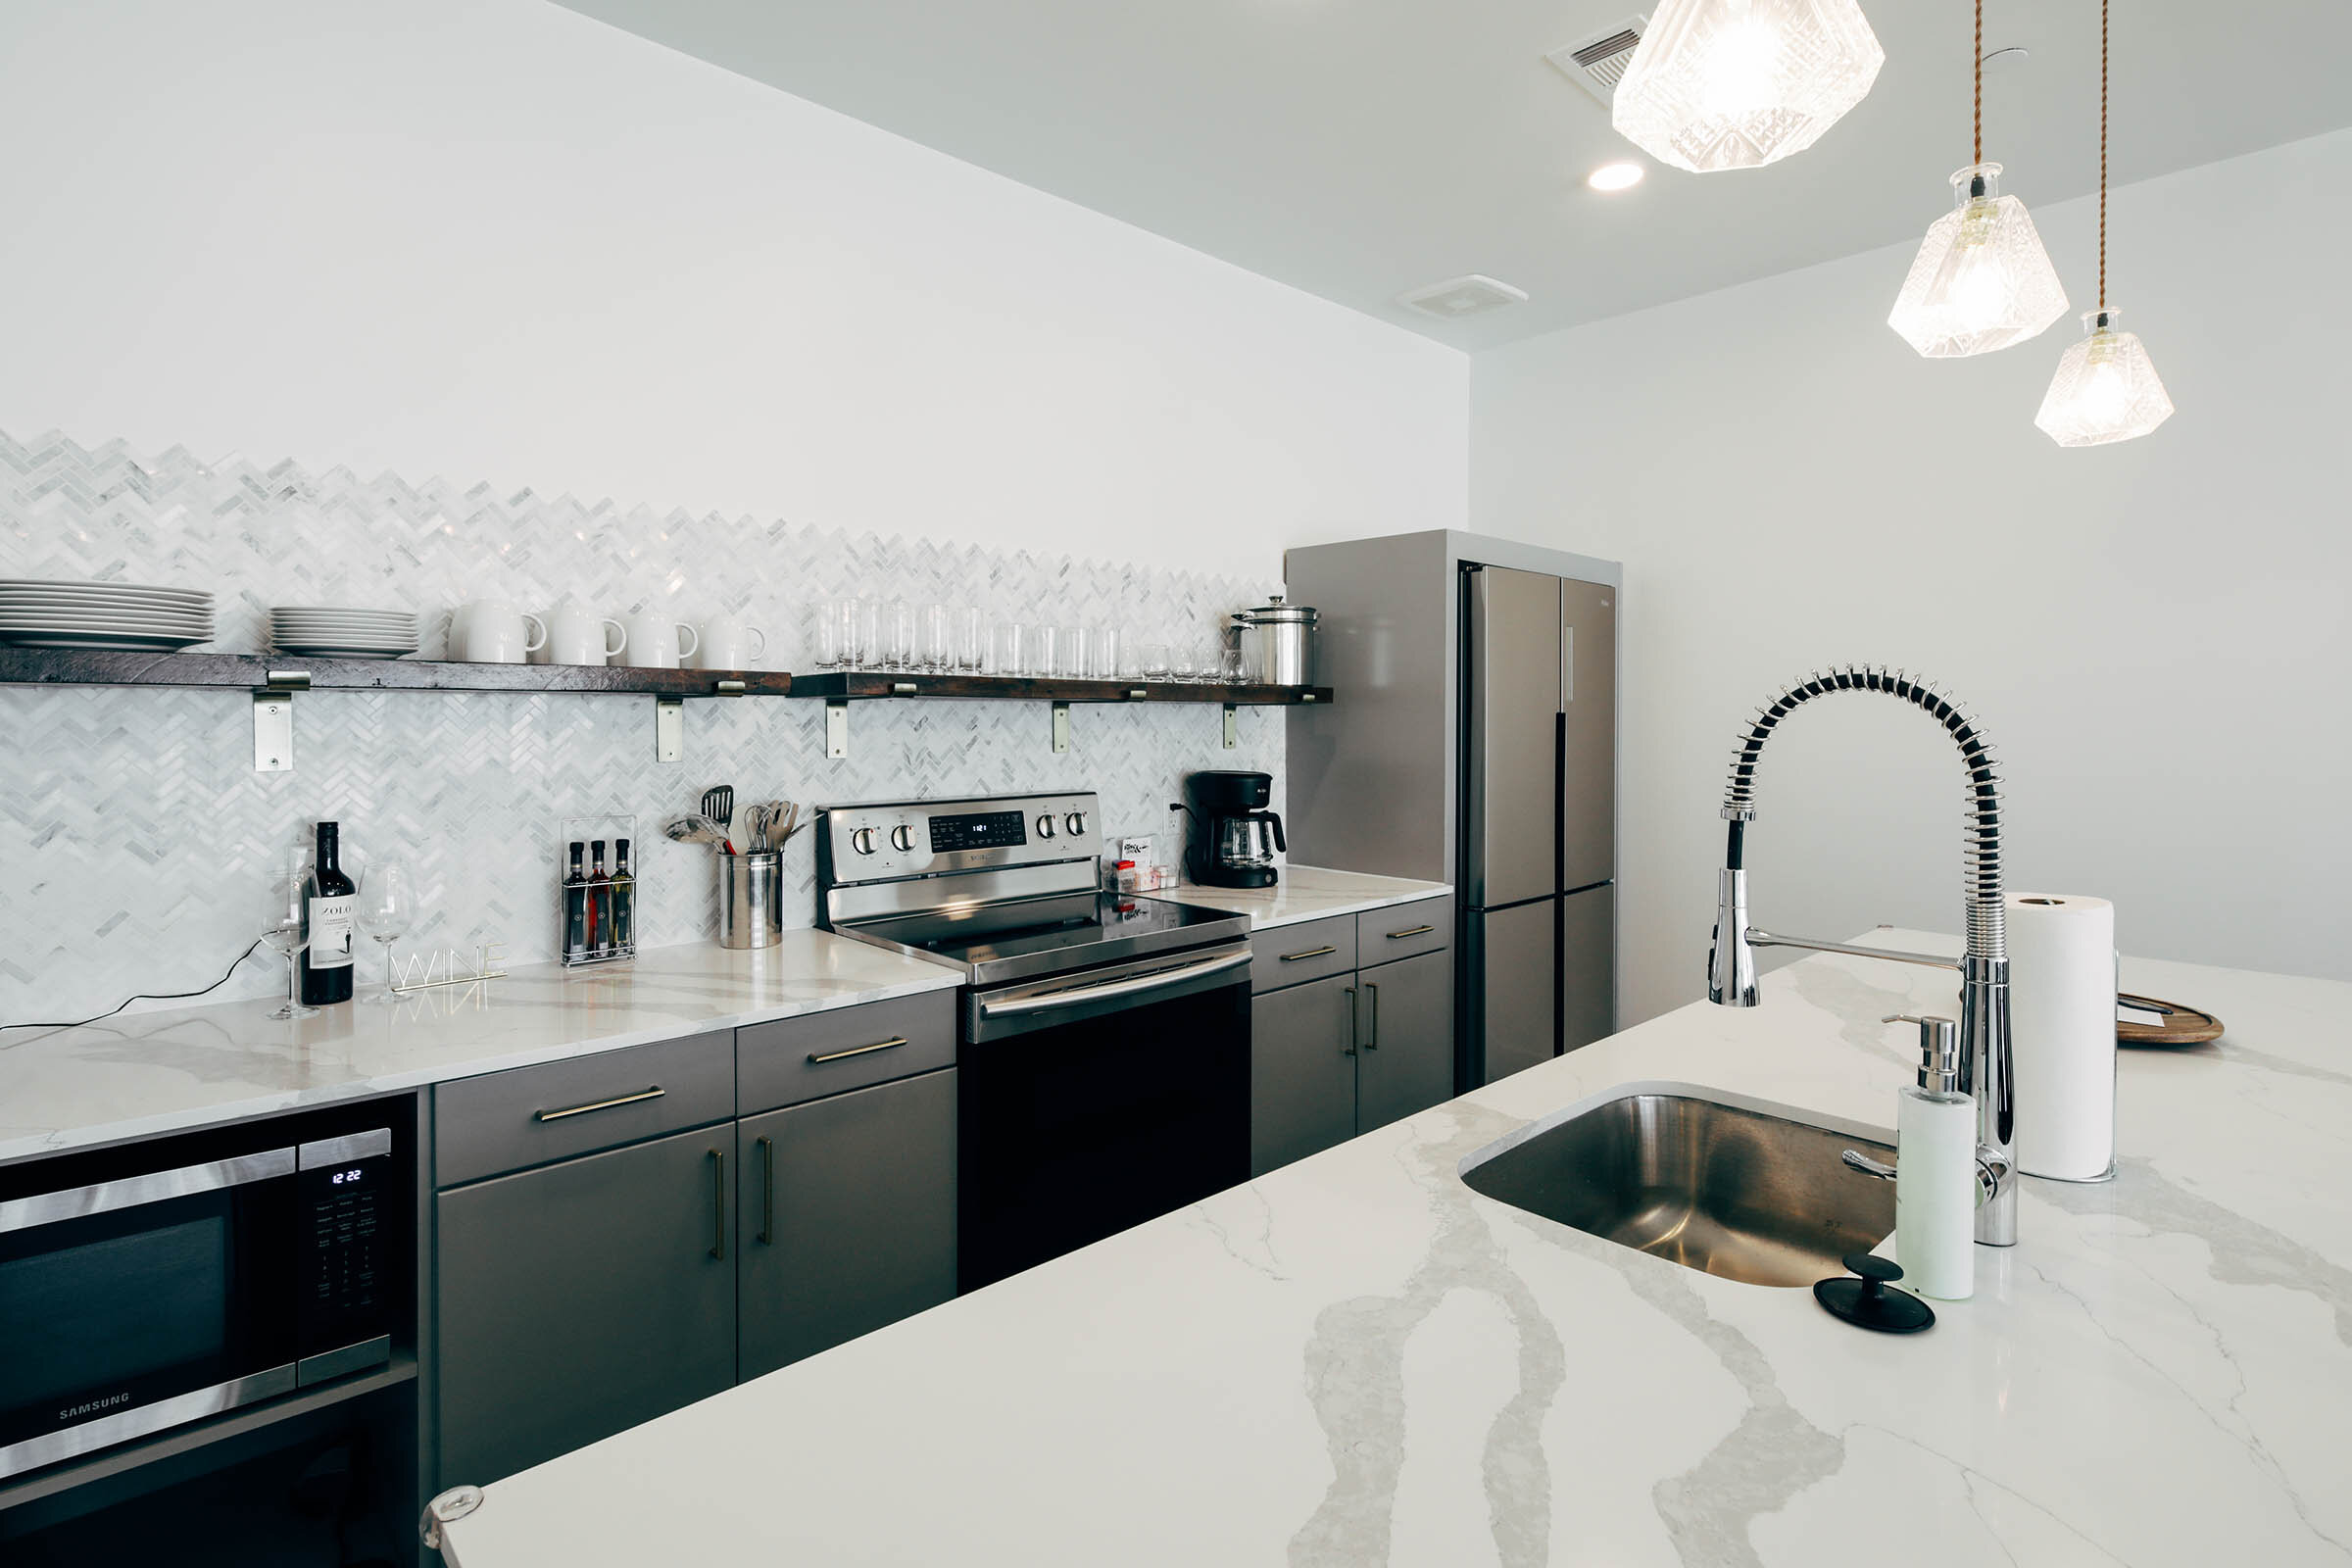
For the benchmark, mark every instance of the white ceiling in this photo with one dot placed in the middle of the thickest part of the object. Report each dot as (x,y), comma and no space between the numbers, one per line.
(1359,148)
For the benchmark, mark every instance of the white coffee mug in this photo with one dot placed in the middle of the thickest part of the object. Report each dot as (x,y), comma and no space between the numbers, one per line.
(491,632)
(729,644)
(577,637)
(657,642)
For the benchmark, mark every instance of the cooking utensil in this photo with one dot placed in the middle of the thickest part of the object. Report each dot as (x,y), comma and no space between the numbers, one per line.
(2181,1026)
(719,804)
(695,829)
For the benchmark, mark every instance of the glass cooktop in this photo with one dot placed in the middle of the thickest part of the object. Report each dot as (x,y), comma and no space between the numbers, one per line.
(1046,936)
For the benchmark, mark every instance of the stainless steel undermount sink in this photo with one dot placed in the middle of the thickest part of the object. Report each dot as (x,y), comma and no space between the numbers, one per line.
(1714,1188)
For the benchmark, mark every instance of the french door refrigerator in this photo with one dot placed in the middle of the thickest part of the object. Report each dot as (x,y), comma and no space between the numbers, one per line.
(1538,852)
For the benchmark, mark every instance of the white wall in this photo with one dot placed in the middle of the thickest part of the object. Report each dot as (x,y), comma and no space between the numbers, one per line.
(494,239)
(2157,634)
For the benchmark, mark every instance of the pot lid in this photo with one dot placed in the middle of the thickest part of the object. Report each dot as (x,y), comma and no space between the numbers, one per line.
(1274,613)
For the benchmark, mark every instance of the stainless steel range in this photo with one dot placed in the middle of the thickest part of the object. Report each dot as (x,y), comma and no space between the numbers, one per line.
(1103,1069)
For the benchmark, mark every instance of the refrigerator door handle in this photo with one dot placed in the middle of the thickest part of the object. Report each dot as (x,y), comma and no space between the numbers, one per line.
(1567,665)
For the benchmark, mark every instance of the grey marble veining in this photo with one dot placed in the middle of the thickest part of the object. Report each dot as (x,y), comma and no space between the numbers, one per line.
(1357,1360)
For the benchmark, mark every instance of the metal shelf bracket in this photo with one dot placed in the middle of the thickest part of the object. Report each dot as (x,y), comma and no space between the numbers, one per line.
(1233,726)
(274,720)
(669,729)
(1061,726)
(836,728)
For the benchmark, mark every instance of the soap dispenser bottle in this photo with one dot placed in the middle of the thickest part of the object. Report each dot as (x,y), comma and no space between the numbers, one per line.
(1935,1169)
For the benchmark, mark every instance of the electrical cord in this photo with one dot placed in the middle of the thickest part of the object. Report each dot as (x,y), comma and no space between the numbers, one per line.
(148,996)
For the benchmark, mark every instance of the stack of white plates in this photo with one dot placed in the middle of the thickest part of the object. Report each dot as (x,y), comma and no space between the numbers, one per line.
(333,632)
(103,615)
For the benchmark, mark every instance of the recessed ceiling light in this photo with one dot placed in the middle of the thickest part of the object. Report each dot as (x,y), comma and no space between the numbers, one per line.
(1615,176)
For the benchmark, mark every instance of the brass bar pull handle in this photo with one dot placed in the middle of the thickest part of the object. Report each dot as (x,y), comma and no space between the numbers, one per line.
(654,1092)
(1372,994)
(718,1204)
(891,1043)
(1413,931)
(1349,1049)
(767,1191)
(1310,952)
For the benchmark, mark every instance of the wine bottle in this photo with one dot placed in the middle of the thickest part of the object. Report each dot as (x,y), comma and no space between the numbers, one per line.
(600,901)
(329,901)
(624,900)
(575,906)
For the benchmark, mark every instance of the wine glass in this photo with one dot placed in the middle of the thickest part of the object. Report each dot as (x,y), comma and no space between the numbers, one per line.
(386,908)
(288,931)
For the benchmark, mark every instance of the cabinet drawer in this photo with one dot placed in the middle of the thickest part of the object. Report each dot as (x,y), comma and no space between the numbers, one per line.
(504,1121)
(1404,931)
(818,1054)
(1290,955)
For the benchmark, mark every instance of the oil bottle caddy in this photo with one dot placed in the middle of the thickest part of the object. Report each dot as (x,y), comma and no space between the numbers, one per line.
(599,890)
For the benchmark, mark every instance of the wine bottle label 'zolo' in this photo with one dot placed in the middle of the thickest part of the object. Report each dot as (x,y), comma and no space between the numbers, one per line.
(330,931)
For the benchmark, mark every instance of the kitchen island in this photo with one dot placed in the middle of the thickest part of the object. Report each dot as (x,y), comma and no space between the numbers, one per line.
(1355,1359)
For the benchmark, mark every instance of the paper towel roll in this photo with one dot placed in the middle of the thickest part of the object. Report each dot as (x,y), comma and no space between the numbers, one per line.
(2062,1033)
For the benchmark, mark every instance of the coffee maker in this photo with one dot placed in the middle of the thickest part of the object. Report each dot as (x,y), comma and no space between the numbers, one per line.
(1235,838)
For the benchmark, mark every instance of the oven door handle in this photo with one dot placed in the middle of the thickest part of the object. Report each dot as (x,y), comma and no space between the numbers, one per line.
(1134,985)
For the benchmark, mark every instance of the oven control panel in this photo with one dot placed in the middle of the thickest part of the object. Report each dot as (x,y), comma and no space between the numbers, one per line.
(899,839)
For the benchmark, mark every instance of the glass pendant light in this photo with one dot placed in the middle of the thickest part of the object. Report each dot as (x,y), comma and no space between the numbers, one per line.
(1736,83)
(1982,280)
(2106,388)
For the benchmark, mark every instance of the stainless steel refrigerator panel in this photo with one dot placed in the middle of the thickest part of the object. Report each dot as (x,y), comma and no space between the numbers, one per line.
(1588,759)
(1587,966)
(1509,803)
(1515,954)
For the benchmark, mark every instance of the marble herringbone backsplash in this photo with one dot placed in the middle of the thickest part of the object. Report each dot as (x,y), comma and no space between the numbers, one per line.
(134,833)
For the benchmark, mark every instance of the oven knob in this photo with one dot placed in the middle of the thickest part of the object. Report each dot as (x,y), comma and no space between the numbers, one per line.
(863,839)
(1076,823)
(902,837)
(1045,826)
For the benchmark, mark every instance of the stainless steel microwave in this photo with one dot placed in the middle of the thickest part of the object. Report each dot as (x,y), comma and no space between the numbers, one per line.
(170,1287)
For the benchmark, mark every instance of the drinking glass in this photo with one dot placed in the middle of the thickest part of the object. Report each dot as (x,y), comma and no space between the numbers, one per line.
(287,928)
(1232,668)
(1152,660)
(866,625)
(1005,649)
(970,634)
(1105,661)
(836,627)
(1070,653)
(938,647)
(897,635)
(386,908)
(1038,655)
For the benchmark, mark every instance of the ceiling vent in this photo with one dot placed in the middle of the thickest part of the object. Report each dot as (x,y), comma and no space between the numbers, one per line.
(1596,62)
(1471,294)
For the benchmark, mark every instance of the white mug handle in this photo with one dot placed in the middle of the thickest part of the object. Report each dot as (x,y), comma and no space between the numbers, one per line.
(759,643)
(613,650)
(534,644)
(690,642)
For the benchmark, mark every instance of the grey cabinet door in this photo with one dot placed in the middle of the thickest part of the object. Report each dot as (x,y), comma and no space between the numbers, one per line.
(847,1217)
(1302,1071)
(584,1298)
(1404,1039)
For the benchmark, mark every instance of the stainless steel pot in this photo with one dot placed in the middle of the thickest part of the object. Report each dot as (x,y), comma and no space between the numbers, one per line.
(1278,643)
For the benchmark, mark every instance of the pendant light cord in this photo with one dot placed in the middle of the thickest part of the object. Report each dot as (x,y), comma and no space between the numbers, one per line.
(1980,59)
(2102,157)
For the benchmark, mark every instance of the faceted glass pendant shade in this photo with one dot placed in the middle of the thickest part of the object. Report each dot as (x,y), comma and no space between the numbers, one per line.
(1736,83)
(2106,388)
(1982,280)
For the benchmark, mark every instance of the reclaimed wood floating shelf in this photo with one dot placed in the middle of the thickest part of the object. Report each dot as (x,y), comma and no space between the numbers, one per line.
(859,685)
(48,667)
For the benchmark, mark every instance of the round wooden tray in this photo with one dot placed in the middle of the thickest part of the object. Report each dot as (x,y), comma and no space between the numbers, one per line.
(2183,1026)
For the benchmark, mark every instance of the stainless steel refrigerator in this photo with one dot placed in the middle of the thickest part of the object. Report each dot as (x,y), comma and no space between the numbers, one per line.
(1538,864)
(1472,739)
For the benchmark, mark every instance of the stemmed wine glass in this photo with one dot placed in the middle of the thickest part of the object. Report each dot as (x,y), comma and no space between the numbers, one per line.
(386,908)
(289,929)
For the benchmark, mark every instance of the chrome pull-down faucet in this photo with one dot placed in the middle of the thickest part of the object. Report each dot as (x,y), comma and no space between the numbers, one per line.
(1984,1066)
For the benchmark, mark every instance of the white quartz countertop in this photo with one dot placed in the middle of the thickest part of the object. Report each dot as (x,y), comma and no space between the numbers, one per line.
(1307,893)
(160,1071)
(1357,1360)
